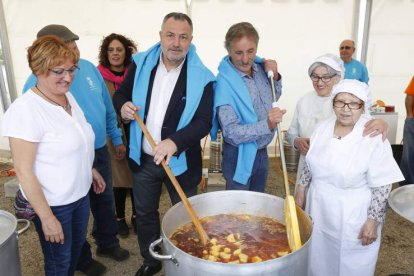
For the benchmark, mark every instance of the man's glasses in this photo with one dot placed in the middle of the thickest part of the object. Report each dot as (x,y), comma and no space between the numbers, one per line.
(325,79)
(345,47)
(351,105)
(60,71)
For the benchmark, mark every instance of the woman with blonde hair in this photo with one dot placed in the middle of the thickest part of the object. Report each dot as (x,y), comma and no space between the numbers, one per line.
(52,147)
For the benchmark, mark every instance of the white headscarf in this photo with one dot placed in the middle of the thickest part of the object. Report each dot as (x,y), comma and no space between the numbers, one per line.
(358,89)
(332,61)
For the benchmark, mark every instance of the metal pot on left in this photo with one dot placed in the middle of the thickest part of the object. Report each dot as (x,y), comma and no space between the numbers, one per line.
(9,249)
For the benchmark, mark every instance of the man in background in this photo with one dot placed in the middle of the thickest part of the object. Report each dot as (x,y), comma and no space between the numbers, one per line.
(90,92)
(407,160)
(353,68)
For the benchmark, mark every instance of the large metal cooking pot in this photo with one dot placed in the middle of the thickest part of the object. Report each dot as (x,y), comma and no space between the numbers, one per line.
(9,250)
(179,263)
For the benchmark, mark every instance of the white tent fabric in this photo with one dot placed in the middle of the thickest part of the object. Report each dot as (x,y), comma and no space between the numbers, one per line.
(292,32)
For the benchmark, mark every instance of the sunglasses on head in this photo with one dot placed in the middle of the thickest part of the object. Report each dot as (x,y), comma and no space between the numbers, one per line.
(345,47)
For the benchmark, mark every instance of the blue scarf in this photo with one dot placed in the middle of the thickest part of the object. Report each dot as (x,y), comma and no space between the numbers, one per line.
(198,76)
(231,90)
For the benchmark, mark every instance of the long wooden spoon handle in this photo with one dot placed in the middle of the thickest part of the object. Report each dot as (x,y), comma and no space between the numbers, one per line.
(283,159)
(291,217)
(279,135)
(203,235)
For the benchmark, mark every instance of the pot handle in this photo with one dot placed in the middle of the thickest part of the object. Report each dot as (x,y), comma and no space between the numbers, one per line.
(159,256)
(25,227)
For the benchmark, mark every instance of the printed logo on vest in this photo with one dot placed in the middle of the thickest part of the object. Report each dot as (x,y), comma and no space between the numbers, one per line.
(92,85)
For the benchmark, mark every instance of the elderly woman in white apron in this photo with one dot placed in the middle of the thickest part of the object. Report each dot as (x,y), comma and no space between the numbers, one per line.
(316,106)
(349,178)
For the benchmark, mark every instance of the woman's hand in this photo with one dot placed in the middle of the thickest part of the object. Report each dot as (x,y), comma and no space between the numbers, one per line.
(120,151)
(368,233)
(376,127)
(302,144)
(300,197)
(53,229)
(24,154)
(133,49)
(98,183)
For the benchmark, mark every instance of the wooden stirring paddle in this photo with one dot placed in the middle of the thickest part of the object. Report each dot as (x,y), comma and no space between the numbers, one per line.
(199,228)
(291,217)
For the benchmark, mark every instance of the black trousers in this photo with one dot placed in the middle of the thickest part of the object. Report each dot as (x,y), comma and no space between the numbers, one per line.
(148,180)
(120,195)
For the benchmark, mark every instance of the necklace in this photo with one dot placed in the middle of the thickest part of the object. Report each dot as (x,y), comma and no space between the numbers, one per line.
(342,130)
(65,107)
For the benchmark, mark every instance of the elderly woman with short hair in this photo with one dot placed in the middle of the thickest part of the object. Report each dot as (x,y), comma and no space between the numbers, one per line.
(52,147)
(349,178)
(314,107)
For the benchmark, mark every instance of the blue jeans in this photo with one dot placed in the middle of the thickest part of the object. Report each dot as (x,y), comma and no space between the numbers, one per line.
(147,191)
(258,178)
(105,227)
(61,259)
(407,159)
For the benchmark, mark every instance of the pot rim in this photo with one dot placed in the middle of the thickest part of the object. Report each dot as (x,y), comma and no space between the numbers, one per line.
(8,226)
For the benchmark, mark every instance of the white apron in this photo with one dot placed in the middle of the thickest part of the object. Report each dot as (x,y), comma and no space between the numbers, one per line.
(339,196)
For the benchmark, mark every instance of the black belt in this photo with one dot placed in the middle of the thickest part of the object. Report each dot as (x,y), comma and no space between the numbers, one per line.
(258,150)
(146,157)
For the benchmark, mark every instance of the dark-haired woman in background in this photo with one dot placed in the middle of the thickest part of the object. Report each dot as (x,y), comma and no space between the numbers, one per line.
(114,57)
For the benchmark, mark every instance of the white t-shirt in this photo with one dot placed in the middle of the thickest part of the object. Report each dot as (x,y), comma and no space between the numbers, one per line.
(65,145)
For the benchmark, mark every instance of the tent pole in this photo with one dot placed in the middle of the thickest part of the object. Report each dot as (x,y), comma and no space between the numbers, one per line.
(5,46)
(363,10)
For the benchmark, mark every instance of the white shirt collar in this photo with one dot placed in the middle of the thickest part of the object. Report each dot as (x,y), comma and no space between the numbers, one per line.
(178,68)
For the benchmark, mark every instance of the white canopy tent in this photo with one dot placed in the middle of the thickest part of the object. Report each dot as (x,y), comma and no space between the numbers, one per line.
(294,32)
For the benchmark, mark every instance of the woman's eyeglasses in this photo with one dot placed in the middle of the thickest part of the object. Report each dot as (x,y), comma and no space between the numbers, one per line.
(351,105)
(60,71)
(325,79)
(117,49)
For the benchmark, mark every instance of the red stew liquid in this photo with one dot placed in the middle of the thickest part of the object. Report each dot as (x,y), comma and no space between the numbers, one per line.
(234,239)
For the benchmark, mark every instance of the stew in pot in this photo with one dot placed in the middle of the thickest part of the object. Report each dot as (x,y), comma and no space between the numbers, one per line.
(235,239)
